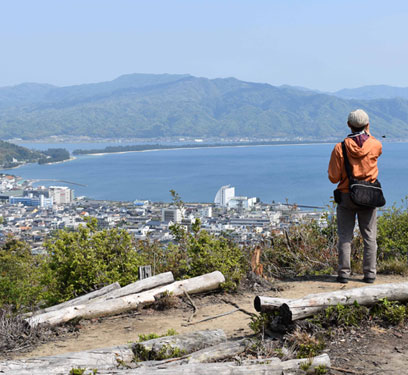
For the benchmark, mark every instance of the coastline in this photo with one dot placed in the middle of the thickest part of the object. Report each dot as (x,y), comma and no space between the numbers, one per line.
(53,162)
(61,161)
(214,146)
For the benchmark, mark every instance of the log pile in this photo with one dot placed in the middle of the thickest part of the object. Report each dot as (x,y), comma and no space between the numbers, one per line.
(128,298)
(202,352)
(198,348)
(295,309)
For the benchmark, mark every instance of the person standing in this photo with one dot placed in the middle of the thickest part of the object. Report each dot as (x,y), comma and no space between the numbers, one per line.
(363,151)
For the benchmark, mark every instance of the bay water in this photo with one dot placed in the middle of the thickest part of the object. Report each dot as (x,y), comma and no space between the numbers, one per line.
(280,173)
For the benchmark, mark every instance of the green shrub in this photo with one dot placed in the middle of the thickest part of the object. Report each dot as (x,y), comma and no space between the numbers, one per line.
(84,260)
(151,336)
(393,266)
(392,312)
(82,371)
(19,275)
(194,254)
(392,239)
(209,253)
(260,322)
(305,344)
(392,228)
(344,315)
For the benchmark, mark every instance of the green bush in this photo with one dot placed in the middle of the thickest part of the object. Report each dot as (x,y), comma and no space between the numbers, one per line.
(19,275)
(344,315)
(84,260)
(208,253)
(196,253)
(392,234)
(304,344)
(392,312)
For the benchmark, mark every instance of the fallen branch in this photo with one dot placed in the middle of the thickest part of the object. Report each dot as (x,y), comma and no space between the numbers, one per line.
(237,306)
(348,371)
(212,317)
(192,304)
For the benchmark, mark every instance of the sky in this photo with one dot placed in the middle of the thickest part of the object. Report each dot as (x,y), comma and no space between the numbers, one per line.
(321,44)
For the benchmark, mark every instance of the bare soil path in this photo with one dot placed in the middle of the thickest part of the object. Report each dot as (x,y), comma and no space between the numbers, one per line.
(373,351)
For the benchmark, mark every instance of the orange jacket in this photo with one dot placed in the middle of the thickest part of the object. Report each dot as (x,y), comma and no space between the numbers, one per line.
(363,162)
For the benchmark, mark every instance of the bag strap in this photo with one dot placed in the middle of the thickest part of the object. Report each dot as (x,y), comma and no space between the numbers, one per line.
(346,161)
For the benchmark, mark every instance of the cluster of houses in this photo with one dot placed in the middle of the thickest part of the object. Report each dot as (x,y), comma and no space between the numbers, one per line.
(33,213)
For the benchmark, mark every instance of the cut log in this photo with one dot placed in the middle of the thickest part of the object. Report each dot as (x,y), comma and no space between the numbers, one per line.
(218,352)
(61,364)
(113,357)
(114,291)
(224,350)
(82,299)
(111,360)
(261,361)
(140,286)
(207,282)
(227,368)
(265,304)
(185,344)
(309,305)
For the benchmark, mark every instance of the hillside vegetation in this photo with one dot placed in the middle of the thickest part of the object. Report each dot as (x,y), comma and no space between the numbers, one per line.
(142,105)
(12,155)
(77,262)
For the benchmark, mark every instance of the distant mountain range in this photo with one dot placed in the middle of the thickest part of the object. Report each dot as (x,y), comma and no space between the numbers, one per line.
(146,106)
(373,92)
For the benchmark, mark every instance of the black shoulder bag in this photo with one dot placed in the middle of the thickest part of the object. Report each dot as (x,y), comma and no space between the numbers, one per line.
(363,193)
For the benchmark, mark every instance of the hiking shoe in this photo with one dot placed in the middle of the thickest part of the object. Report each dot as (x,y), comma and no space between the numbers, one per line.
(342,280)
(369,280)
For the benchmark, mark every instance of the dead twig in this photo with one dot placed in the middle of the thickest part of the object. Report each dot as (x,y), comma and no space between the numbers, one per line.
(192,304)
(346,370)
(237,306)
(173,360)
(212,317)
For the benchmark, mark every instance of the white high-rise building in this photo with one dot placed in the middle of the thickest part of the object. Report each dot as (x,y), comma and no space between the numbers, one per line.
(172,214)
(45,202)
(61,194)
(224,195)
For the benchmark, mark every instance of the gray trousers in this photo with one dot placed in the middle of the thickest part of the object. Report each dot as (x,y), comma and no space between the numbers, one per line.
(367,221)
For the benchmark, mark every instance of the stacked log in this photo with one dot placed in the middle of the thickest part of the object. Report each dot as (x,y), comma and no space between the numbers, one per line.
(233,368)
(83,299)
(140,286)
(104,307)
(291,310)
(211,345)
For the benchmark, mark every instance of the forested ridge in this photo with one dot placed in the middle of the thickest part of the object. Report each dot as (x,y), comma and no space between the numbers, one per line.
(146,106)
(12,155)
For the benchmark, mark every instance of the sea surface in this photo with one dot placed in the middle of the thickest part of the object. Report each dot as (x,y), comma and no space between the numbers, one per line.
(280,173)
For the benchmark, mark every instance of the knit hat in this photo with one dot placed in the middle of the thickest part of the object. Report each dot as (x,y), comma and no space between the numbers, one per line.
(358,118)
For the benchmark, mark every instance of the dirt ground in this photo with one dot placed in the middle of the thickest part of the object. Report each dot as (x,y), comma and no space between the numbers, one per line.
(372,350)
